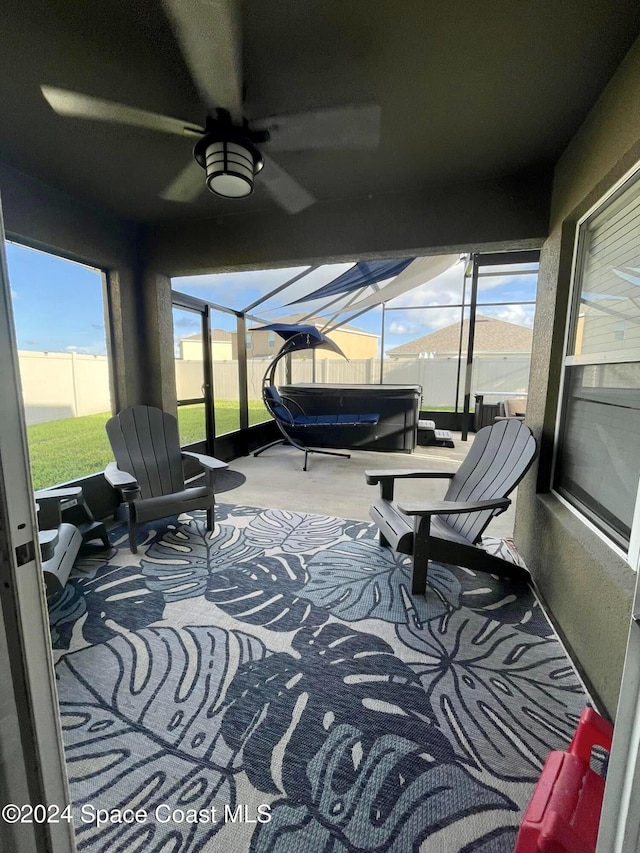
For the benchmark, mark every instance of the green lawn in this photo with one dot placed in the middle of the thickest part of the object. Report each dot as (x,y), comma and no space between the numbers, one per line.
(74,447)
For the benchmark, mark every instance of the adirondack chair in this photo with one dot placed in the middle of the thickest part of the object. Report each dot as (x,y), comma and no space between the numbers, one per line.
(148,468)
(450,530)
(514,408)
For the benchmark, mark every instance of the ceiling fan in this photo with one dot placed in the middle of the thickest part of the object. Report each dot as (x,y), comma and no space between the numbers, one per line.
(229,148)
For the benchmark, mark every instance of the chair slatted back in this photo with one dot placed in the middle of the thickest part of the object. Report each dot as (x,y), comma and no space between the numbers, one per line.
(145,444)
(499,458)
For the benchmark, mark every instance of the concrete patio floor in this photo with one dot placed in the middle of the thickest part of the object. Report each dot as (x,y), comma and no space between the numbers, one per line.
(336,486)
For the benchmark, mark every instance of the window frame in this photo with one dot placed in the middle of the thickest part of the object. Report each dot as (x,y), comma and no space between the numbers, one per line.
(632,554)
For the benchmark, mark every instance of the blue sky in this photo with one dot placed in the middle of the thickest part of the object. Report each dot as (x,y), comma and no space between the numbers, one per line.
(58,304)
(240,289)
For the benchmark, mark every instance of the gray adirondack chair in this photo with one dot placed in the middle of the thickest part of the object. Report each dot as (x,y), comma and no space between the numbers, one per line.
(450,530)
(148,468)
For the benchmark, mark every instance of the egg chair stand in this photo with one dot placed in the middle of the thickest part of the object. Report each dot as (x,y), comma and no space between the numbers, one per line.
(290,418)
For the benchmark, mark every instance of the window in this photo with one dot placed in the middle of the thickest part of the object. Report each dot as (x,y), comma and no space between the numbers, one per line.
(598,464)
(59,314)
(272,340)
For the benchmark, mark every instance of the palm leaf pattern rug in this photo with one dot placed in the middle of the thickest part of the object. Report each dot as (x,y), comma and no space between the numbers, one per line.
(280,665)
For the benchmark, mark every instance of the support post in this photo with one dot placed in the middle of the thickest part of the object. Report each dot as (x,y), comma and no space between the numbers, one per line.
(466,416)
(382,346)
(243,393)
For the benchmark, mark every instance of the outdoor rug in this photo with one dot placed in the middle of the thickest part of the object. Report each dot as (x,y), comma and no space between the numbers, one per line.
(275,687)
(228,479)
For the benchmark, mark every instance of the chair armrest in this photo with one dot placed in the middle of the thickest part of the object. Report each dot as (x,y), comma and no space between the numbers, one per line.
(117,478)
(387,478)
(374,477)
(61,493)
(453,507)
(209,462)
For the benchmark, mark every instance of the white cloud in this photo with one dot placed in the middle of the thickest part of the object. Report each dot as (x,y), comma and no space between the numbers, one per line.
(522,315)
(446,289)
(443,292)
(400,328)
(417,323)
(493,281)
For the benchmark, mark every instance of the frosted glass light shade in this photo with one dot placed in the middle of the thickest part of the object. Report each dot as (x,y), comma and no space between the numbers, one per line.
(230,169)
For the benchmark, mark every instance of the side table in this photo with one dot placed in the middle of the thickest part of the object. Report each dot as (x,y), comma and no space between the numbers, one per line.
(60,540)
(54,503)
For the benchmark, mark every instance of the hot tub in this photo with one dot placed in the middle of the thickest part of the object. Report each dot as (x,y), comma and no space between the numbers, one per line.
(397,405)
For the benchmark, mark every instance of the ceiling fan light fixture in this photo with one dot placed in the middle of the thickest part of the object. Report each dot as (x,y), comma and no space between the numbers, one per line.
(231,163)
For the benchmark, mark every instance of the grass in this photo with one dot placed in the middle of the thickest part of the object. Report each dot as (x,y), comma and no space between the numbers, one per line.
(76,447)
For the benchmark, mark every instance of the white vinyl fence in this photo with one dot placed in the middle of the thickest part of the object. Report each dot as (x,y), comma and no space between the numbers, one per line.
(65,385)
(497,377)
(58,385)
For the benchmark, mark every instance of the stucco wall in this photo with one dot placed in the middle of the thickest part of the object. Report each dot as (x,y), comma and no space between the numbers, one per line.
(587,587)
(496,215)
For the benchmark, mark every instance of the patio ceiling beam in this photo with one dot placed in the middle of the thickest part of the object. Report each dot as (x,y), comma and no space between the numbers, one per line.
(356,295)
(351,317)
(375,286)
(461,305)
(341,311)
(324,307)
(280,288)
(417,273)
(510,273)
(255,319)
(530,256)
(184,300)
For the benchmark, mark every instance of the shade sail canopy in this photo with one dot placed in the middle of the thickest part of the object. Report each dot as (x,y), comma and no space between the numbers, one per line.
(418,272)
(363,274)
(298,337)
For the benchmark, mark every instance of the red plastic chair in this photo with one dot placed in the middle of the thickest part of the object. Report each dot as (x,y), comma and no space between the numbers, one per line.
(564,812)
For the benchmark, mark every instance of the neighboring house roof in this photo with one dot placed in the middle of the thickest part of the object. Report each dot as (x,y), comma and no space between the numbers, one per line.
(216,335)
(296,318)
(490,336)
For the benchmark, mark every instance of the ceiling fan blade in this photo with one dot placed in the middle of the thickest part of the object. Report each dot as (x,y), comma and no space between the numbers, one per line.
(337,127)
(187,185)
(286,191)
(209,35)
(74,104)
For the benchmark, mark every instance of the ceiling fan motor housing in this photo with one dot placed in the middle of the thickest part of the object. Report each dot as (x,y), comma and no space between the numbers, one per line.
(229,158)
